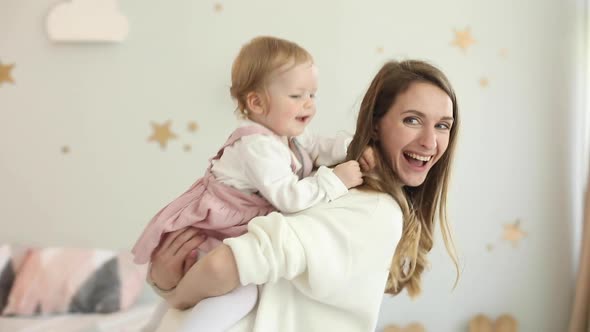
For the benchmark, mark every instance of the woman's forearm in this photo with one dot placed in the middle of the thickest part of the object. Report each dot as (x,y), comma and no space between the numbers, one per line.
(213,275)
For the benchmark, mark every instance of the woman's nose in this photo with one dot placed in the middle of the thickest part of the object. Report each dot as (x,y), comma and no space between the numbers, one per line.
(428,139)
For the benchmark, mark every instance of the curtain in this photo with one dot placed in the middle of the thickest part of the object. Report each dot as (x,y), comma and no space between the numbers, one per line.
(580,318)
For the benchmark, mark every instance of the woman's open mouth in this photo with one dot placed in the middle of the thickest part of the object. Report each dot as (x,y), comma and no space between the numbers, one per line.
(416,159)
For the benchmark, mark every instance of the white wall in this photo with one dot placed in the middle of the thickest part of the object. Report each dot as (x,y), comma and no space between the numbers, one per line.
(514,158)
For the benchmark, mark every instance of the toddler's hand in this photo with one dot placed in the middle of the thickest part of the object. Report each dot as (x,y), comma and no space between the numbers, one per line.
(349,173)
(367,161)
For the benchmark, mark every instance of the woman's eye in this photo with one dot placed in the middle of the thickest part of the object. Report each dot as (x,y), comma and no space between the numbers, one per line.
(444,126)
(295,96)
(411,120)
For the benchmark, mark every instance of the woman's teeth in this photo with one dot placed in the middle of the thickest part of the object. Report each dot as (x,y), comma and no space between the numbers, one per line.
(417,157)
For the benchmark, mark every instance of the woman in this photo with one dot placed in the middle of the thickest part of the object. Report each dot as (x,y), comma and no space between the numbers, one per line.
(326,267)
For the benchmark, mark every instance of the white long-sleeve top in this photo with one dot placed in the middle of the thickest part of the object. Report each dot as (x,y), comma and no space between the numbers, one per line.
(262,163)
(323,269)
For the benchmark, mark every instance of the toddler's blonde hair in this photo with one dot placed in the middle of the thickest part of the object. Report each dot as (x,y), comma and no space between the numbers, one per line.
(257,60)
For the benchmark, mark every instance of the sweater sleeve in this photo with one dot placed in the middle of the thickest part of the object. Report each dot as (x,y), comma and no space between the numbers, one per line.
(320,248)
(267,166)
(326,151)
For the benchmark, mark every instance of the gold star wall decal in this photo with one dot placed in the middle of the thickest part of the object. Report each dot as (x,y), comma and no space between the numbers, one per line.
(513,233)
(5,75)
(414,327)
(463,39)
(218,7)
(187,147)
(162,133)
(193,126)
(484,82)
(65,149)
(503,52)
(380,49)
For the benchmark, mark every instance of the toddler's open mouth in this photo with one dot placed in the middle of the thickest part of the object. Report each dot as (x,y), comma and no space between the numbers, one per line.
(302,118)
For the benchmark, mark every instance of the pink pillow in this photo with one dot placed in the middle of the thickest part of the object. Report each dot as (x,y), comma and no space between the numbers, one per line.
(11,258)
(61,280)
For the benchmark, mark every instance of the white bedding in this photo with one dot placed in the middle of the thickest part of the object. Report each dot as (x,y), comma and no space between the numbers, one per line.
(131,320)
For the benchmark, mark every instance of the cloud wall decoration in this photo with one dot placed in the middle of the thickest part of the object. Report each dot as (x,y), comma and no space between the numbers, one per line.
(87,21)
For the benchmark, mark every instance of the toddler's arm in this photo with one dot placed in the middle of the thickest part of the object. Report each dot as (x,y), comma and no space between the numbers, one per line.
(325,151)
(267,166)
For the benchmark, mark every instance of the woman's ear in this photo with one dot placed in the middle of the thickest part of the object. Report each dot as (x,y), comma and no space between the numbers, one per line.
(254,103)
(375,133)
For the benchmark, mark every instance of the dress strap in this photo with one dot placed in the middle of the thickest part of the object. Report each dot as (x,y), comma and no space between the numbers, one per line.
(302,156)
(238,134)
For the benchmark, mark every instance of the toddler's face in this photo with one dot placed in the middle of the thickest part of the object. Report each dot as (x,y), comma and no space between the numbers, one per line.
(291,99)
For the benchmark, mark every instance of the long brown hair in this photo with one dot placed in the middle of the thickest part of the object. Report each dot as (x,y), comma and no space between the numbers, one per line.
(420,205)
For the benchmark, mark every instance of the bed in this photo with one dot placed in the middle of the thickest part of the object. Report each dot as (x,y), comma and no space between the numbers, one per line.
(56,289)
(130,320)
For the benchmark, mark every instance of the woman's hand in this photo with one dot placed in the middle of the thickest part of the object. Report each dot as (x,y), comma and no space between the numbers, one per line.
(215,274)
(174,256)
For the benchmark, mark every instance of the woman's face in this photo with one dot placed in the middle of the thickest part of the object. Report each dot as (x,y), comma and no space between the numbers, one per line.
(415,131)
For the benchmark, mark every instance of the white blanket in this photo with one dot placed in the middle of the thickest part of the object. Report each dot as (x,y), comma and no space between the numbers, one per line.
(132,320)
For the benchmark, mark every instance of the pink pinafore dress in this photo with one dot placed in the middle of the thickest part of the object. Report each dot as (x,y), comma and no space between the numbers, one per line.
(217,209)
